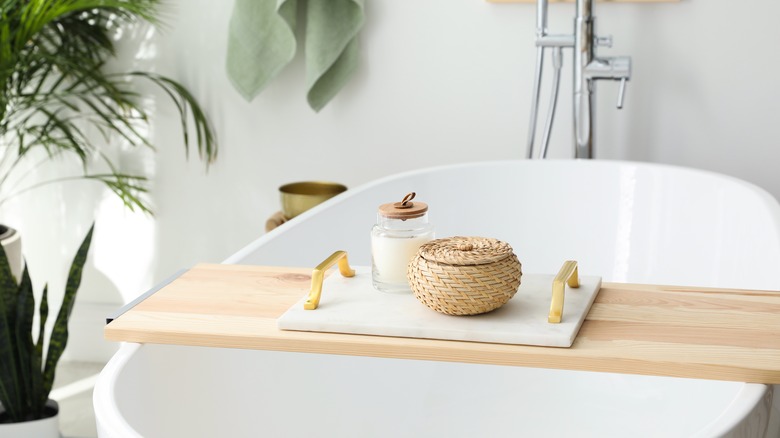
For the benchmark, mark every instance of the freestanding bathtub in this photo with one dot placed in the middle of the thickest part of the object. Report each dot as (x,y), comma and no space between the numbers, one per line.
(626,222)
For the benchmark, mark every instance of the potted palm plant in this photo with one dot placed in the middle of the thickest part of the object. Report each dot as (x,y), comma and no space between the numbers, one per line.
(57,101)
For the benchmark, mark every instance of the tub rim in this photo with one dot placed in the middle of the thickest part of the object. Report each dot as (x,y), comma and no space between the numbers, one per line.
(108,416)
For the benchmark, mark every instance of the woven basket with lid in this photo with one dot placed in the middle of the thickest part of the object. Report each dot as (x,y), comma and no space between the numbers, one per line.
(464,275)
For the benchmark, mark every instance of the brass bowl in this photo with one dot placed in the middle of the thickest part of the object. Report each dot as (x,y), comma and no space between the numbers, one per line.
(300,196)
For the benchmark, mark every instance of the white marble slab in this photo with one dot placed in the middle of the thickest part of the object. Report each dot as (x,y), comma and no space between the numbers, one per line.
(352,305)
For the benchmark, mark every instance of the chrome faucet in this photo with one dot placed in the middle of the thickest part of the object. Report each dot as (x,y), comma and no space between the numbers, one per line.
(587,69)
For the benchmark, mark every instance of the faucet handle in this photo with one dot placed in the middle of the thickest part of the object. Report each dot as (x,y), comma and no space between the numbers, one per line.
(605,41)
(622,92)
(616,68)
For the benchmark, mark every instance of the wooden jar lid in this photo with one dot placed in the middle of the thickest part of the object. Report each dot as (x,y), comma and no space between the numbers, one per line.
(465,251)
(406,209)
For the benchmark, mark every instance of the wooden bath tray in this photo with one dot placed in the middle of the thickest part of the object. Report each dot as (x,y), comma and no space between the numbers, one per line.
(720,334)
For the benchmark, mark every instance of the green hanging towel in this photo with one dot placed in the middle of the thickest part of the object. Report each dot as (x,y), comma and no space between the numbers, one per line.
(262,41)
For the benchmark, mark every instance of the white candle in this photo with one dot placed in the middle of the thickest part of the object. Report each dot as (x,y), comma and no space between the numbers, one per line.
(391,256)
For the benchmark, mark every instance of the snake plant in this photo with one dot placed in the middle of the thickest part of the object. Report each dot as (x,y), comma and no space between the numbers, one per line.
(57,99)
(26,376)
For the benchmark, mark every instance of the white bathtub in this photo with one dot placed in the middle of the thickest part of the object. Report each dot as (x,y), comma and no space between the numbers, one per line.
(627,222)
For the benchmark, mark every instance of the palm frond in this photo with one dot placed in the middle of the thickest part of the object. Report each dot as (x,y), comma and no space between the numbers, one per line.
(205,139)
(54,88)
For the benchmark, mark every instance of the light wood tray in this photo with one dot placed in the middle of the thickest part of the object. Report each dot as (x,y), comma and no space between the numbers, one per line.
(637,329)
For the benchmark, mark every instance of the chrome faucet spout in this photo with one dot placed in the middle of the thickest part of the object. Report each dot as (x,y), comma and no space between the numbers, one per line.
(583,91)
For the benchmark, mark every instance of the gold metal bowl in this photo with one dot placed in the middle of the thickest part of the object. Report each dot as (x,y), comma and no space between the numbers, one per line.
(300,196)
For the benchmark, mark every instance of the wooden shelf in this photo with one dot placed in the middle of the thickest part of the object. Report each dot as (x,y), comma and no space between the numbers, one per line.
(705,333)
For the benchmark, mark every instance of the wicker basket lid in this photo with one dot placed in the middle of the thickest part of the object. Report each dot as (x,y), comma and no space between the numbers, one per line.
(465,251)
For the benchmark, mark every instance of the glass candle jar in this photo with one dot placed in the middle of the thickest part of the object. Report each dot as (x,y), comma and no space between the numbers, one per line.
(400,230)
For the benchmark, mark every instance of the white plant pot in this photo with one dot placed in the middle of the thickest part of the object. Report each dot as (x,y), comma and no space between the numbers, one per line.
(12,244)
(44,428)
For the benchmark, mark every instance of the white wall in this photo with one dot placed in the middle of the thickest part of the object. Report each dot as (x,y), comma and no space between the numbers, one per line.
(445,81)
(440,81)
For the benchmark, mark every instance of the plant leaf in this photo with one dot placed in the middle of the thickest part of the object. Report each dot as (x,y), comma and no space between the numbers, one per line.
(8,289)
(25,309)
(36,370)
(59,333)
(9,394)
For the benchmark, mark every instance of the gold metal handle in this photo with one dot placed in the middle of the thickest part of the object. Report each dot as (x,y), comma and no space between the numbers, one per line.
(313,300)
(567,274)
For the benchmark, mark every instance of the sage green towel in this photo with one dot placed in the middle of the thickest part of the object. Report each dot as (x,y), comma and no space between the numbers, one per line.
(262,41)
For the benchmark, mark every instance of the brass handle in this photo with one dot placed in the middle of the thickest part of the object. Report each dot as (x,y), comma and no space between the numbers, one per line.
(313,300)
(567,274)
